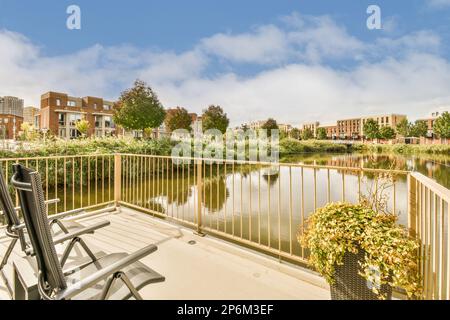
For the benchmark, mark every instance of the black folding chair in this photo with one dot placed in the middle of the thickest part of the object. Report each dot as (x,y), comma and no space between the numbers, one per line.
(115,276)
(16,230)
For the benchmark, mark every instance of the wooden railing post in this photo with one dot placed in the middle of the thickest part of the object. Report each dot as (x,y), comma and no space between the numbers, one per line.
(199,197)
(117,178)
(412,205)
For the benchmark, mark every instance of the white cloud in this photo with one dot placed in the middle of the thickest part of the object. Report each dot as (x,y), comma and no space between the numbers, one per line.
(267,44)
(304,38)
(301,79)
(438,3)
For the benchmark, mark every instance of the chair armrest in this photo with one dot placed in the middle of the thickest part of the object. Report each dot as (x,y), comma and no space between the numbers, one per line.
(52,201)
(47,202)
(63,215)
(104,273)
(51,218)
(80,232)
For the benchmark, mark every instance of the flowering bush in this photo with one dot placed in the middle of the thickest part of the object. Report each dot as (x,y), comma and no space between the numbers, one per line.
(341,227)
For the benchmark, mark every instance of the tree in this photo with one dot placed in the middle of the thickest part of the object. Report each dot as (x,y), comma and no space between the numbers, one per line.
(442,126)
(138,108)
(28,132)
(371,129)
(387,133)
(269,125)
(244,127)
(83,127)
(296,134)
(403,128)
(307,134)
(215,118)
(178,118)
(419,129)
(322,134)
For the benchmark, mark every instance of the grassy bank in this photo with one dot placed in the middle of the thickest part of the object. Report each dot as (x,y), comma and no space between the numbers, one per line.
(164,146)
(91,146)
(402,148)
(292,146)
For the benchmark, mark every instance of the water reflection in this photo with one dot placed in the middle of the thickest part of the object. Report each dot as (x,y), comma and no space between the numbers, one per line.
(436,167)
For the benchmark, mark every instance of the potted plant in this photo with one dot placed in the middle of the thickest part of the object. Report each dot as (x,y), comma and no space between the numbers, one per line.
(362,253)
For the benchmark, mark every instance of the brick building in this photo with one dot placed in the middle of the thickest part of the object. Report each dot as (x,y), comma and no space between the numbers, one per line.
(349,128)
(30,114)
(11,117)
(313,126)
(60,112)
(331,130)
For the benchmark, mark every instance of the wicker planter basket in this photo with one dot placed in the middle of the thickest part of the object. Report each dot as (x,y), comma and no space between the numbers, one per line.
(349,285)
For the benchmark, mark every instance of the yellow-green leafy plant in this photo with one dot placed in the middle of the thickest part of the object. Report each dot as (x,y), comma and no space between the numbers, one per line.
(342,227)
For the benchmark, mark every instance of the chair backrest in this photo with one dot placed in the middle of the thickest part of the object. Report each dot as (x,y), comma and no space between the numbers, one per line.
(29,186)
(10,213)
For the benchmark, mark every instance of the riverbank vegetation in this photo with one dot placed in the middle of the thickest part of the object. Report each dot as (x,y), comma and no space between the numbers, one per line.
(399,148)
(163,146)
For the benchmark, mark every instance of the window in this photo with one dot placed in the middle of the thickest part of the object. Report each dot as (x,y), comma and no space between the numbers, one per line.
(106,107)
(108,122)
(73,118)
(6,120)
(71,103)
(58,102)
(95,106)
(62,133)
(98,121)
(62,119)
(74,133)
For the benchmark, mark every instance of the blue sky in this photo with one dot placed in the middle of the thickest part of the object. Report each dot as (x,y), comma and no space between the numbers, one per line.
(294,60)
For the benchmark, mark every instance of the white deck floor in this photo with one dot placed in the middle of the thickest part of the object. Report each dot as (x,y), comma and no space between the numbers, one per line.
(209,269)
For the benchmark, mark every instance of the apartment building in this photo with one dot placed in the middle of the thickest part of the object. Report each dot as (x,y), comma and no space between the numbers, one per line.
(60,112)
(349,128)
(430,122)
(11,116)
(285,128)
(256,125)
(30,115)
(386,120)
(197,124)
(331,130)
(313,126)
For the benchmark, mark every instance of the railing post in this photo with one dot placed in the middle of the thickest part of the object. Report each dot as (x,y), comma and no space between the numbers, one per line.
(199,197)
(412,205)
(117,178)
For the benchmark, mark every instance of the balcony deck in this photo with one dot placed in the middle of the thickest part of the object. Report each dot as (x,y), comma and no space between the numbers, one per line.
(209,269)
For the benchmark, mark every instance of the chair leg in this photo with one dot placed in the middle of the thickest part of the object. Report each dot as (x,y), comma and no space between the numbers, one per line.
(68,250)
(60,225)
(8,253)
(130,286)
(119,276)
(71,245)
(4,262)
(87,250)
(108,285)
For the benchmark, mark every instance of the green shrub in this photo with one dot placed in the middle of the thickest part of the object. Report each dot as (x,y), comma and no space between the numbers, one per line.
(401,148)
(293,146)
(109,145)
(341,227)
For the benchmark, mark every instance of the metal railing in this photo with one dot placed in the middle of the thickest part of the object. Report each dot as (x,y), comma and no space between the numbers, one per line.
(259,205)
(429,220)
(82,181)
